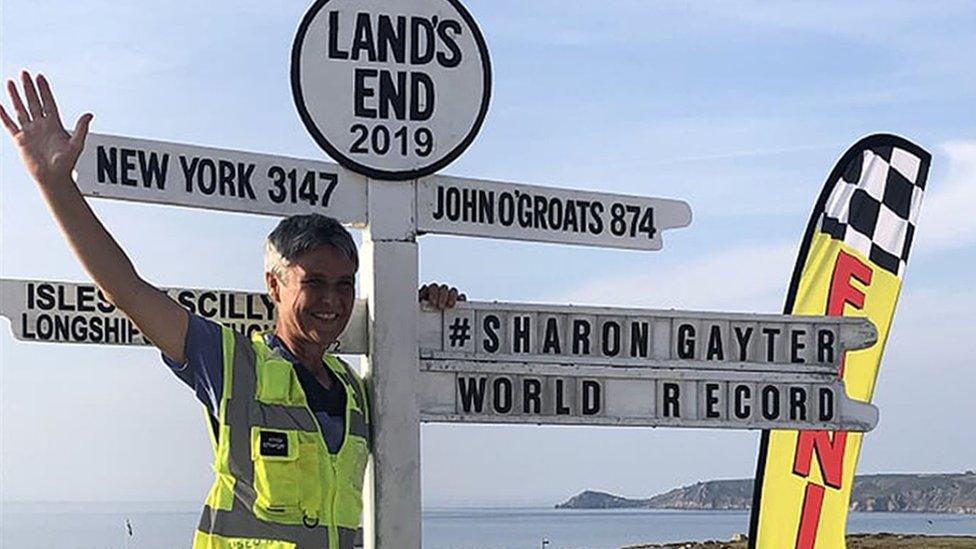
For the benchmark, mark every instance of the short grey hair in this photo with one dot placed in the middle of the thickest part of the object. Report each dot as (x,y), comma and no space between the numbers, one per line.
(298,234)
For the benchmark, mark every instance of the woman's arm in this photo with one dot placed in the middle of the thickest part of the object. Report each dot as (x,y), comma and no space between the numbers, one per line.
(49,153)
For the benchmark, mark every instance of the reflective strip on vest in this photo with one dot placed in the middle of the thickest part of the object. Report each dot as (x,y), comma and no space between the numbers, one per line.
(357,425)
(347,537)
(242,523)
(276,416)
(237,417)
(357,421)
(350,380)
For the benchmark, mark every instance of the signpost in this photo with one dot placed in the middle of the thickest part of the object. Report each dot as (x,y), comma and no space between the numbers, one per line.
(395,91)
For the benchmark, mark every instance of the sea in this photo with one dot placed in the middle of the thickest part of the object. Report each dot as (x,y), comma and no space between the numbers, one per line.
(170,525)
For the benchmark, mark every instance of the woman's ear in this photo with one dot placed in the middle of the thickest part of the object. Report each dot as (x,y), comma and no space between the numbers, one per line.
(273,286)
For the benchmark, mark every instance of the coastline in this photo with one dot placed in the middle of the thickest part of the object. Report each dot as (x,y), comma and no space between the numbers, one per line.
(164,525)
(881,540)
(944,493)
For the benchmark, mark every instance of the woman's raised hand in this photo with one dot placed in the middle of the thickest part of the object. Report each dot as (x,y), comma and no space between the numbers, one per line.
(48,151)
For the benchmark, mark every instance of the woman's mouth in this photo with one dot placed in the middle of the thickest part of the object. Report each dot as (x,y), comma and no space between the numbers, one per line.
(325,317)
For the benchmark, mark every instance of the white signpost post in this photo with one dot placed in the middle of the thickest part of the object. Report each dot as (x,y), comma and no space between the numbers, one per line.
(395,91)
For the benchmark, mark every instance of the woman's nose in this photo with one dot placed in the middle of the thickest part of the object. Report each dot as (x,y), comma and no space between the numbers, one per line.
(331,295)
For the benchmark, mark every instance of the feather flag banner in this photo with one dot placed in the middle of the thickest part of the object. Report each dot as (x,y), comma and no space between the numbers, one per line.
(851,263)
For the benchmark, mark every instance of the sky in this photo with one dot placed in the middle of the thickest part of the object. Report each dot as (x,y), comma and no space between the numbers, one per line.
(739,108)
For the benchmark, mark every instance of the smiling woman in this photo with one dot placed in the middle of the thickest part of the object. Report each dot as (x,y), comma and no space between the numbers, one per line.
(738,108)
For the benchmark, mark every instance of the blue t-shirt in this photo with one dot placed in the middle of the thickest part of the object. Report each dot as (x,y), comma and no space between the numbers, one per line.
(203,371)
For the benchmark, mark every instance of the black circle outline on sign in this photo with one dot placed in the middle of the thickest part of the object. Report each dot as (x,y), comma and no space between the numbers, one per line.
(402,175)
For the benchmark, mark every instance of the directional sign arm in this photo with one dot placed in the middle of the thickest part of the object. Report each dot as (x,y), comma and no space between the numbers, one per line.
(161,172)
(70,312)
(515,211)
(600,396)
(641,338)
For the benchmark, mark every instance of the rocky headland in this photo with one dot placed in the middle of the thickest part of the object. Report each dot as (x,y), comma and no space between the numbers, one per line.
(914,493)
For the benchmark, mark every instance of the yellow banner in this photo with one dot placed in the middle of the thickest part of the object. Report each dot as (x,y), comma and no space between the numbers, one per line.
(851,262)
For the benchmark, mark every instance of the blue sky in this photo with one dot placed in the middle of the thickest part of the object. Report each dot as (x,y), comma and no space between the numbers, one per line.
(739,108)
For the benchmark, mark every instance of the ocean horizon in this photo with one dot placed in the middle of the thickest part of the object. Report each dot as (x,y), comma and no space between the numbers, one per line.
(165,525)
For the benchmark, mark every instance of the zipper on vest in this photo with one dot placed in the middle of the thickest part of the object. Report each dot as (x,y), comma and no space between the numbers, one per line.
(333,462)
(331,529)
(334,524)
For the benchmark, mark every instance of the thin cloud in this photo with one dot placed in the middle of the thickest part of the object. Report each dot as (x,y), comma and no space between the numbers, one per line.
(947,219)
(929,324)
(876,21)
(752,153)
(747,278)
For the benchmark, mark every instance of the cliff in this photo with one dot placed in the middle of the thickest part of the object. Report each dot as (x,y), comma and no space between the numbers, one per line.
(922,493)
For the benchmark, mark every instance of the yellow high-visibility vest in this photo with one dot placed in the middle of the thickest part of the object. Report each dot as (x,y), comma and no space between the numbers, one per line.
(277,486)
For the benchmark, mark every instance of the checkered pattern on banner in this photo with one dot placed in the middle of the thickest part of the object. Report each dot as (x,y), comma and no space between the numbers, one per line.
(874,207)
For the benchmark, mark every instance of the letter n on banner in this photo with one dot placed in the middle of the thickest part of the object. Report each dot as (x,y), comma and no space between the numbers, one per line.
(851,263)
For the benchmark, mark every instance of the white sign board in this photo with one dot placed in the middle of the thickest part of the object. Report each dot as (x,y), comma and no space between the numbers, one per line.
(477,392)
(392,90)
(69,312)
(641,338)
(473,207)
(544,364)
(159,172)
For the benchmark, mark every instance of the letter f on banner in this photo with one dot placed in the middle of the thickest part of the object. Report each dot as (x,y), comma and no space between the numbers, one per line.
(851,263)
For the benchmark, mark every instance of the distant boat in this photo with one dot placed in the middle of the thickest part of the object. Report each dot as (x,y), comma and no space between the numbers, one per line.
(128,532)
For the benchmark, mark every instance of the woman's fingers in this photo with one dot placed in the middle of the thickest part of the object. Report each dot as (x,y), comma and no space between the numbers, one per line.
(19,110)
(8,122)
(452,298)
(441,296)
(77,140)
(33,100)
(48,103)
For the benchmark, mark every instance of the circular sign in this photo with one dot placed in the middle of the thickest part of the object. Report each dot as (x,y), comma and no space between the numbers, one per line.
(392,90)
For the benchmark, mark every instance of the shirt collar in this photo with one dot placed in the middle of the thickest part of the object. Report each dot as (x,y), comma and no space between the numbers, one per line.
(275,344)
